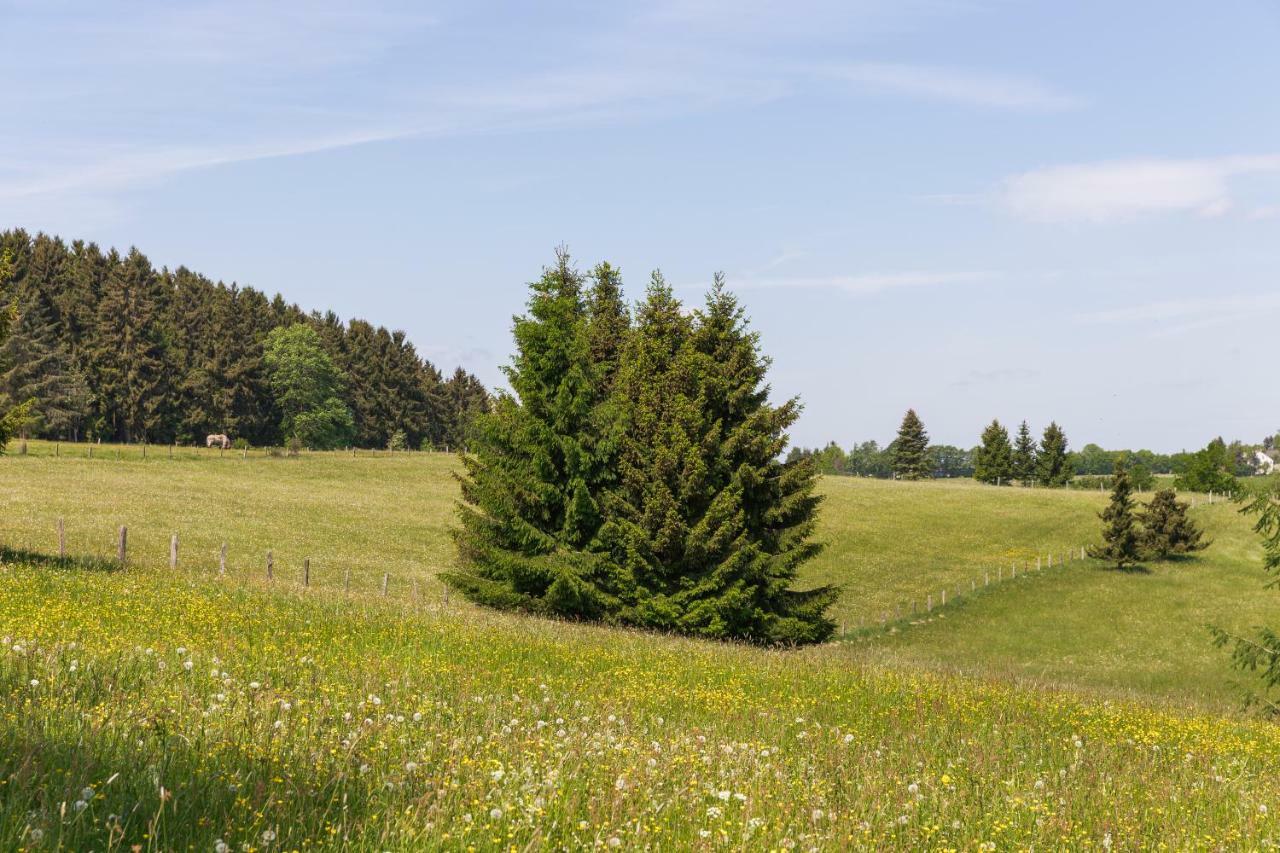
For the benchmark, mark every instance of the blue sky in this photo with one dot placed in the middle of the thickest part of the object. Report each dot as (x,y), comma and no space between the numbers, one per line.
(979,209)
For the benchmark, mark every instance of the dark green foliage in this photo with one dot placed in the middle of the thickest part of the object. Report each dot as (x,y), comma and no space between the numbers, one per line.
(131,353)
(910,457)
(307,387)
(993,461)
(633,474)
(1260,653)
(1166,529)
(35,367)
(539,464)
(464,398)
(1024,455)
(1208,470)
(1053,463)
(1121,541)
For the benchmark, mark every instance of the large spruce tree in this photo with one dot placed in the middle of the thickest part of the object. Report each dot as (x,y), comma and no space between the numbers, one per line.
(707,523)
(910,449)
(1053,464)
(1121,537)
(993,460)
(1166,528)
(634,473)
(1024,455)
(534,479)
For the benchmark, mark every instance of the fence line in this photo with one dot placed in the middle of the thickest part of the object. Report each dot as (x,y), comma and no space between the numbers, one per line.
(124,559)
(1044,562)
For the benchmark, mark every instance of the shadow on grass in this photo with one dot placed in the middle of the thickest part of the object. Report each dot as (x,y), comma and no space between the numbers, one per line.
(1128,570)
(48,561)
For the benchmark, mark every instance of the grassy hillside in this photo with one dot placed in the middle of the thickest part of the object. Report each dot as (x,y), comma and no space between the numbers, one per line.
(173,713)
(888,545)
(174,710)
(1140,633)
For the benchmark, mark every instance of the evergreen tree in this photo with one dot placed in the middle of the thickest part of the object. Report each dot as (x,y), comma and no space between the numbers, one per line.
(130,351)
(1053,464)
(709,526)
(910,452)
(464,397)
(537,470)
(1166,529)
(993,461)
(35,367)
(608,321)
(1120,533)
(1260,653)
(1024,455)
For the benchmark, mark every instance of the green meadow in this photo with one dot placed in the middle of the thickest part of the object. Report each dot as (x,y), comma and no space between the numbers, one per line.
(1072,707)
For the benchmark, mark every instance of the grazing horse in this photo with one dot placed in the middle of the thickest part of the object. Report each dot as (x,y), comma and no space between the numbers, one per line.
(217,441)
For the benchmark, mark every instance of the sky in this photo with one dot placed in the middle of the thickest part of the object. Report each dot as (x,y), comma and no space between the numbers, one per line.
(1050,211)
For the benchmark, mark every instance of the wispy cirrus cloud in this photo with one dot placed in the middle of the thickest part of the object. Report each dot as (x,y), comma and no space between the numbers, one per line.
(1172,317)
(868,283)
(1128,189)
(957,85)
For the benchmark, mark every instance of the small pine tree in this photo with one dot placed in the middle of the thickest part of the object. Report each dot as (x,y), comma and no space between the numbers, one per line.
(1024,455)
(1120,534)
(993,460)
(910,450)
(1166,529)
(1052,461)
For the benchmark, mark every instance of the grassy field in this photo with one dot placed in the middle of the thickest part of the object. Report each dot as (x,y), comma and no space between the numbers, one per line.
(175,710)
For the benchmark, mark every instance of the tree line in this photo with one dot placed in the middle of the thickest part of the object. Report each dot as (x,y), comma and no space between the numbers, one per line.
(102,345)
(1048,461)
(633,474)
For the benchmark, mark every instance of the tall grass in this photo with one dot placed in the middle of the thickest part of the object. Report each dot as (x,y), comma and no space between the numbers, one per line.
(142,709)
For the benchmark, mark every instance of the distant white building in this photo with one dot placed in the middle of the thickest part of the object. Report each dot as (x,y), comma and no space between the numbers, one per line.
(1265,464)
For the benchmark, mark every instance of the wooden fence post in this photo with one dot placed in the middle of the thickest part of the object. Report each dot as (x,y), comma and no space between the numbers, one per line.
(222,559)
(384,583)
(944,597)
(306,571)
(62,540)
(986,578)
(57,449)
(144,450)
(122,549)
(346,580)
(90,450)
(173,551)
(928,605)
(270,566)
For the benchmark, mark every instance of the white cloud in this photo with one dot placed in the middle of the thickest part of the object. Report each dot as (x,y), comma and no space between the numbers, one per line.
(956,85)
(1128,189)
(1175,316)
(867,283)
